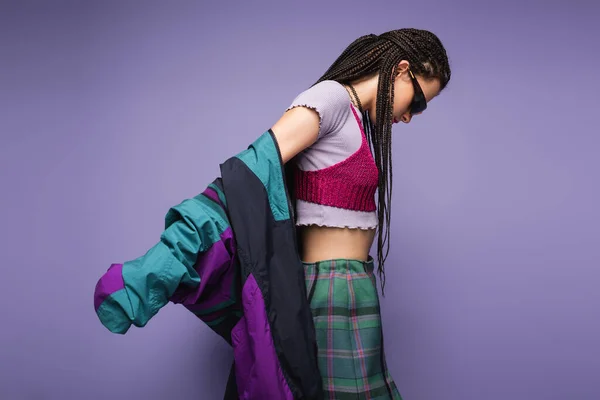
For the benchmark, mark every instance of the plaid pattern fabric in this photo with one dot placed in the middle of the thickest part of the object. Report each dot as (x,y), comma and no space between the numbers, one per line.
(345,306)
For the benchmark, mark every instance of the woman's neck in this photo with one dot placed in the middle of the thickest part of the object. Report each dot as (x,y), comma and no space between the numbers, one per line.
(366,89)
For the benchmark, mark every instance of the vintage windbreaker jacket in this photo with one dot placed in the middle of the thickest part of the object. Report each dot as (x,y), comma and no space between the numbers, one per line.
(230,256)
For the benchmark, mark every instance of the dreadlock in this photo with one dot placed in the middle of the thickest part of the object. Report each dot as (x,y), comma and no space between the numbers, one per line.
(372,54)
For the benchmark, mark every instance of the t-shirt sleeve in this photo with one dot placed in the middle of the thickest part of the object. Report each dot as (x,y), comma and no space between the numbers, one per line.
(331,102)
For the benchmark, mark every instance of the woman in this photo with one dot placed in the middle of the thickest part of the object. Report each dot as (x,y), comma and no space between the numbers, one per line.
(229,254)
(325,137)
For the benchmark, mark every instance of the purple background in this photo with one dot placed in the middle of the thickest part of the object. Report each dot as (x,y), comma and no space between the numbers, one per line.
(111,113)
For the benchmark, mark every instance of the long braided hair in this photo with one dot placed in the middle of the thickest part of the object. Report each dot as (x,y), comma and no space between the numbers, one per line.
(372,54)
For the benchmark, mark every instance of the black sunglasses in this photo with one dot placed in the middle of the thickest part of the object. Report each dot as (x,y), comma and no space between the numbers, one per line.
(419,103)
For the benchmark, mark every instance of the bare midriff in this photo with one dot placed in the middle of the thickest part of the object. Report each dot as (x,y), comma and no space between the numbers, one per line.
(326,243)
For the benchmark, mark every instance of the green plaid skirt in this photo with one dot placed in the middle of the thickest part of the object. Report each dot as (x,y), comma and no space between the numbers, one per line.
(345,306)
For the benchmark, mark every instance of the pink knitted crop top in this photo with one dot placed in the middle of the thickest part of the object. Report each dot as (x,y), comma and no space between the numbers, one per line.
(336,177)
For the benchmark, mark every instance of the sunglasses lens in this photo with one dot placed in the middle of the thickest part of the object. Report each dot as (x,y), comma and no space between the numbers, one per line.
(418,105)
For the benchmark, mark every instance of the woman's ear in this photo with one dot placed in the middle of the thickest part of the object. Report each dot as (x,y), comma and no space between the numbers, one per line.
(402,67)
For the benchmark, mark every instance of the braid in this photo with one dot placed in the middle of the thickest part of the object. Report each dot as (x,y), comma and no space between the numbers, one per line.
(381,54)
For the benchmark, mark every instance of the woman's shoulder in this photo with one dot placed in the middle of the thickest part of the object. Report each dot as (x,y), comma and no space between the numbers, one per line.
(330,100)
(329,96)
(330,88)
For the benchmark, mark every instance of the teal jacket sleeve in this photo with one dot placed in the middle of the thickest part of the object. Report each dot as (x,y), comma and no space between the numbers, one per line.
(134,291)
